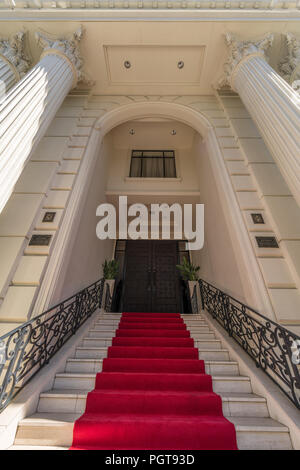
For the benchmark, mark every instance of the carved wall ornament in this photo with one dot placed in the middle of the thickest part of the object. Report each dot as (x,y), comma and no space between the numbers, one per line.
(241,50)
(289,67)
(12,49)
(65,47)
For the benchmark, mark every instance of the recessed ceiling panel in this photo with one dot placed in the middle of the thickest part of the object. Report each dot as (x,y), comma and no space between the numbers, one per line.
(142,64)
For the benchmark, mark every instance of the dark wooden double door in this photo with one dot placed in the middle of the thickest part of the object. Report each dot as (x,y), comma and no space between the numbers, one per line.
(151,281)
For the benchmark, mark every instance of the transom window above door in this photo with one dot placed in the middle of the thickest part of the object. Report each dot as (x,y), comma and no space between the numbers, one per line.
(152,164)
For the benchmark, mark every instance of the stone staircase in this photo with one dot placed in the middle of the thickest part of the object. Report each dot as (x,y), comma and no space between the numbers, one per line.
(52,424)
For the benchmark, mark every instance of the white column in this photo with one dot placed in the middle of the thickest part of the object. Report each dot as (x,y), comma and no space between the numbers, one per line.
(13,62)
(273,104)
(31,104)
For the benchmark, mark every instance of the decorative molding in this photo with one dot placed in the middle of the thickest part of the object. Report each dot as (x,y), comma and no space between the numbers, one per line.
(67,48)
(12,52)
(273,5)
(289,67)
(239,51)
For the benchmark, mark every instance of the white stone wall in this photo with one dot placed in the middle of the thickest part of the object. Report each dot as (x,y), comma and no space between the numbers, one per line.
(45,185)
(58,176)
(87,253)
(260,188)
(218,260)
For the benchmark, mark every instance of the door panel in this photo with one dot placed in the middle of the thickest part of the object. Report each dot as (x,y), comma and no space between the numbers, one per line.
(151,278)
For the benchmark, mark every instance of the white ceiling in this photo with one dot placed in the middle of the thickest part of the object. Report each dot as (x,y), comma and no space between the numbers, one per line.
(153,135)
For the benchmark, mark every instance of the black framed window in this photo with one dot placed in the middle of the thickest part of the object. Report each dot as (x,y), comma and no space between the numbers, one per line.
(152,164)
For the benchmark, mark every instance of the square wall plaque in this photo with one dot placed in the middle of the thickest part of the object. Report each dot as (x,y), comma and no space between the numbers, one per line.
(267,242)
(40,240)
(257,218)
(49,216)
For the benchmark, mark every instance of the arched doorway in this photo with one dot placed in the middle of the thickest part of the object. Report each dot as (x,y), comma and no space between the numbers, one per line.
(247,266)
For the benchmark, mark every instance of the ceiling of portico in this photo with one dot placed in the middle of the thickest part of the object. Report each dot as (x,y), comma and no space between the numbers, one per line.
(154,49)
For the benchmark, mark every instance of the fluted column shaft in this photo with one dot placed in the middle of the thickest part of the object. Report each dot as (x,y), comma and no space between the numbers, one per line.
(8,76)
(275,108)
(27,111)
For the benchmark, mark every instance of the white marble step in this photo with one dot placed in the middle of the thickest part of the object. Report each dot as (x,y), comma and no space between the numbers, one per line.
(74,401)
(199,343)
(203,329)
(82,381)
(95,365)
(94,352)
(56,429)
(30,448)
(204,333)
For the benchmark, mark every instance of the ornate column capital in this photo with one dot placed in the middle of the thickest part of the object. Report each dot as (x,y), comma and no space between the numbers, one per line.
(12,52)
(289,67)
(68,48)
(240,51)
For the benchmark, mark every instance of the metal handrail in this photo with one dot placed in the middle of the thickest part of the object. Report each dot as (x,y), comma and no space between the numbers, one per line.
(274,348)
(27,348)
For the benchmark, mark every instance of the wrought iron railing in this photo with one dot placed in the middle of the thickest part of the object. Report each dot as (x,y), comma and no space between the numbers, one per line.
(274,349)
(26,349)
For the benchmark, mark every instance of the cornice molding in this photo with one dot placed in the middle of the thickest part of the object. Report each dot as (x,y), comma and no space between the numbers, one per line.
(155,4)
(289,67)
(67,48)
(12,52)
(240,51)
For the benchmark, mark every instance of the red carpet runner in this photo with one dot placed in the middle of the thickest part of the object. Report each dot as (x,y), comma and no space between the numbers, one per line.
(153,393)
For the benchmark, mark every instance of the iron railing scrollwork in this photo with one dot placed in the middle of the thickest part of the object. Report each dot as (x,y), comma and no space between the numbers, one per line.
(26,349)
(273,347)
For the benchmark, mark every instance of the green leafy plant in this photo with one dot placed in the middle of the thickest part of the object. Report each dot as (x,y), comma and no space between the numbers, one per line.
(188,271)
(110,269)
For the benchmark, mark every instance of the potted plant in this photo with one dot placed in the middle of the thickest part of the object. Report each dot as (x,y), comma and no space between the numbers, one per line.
(189,273)
(110,272)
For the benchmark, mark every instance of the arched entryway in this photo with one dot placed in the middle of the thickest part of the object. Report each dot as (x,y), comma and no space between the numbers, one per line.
(247,266)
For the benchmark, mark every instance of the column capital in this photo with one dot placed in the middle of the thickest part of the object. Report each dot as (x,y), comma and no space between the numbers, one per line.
(12,52)
(239,51)
(68,48)
(290,66)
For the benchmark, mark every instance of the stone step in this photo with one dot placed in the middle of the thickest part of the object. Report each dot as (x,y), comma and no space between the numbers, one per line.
(261,434)
(56,429)
(204,333)
(107,334)
(201,329)
(37,447)
(101,322)
(96,352)
(74,401)
(191,316)
(83,365)
(111,326)
(95,365)
(82,381)
(207,343)
(109,316)
(102,342)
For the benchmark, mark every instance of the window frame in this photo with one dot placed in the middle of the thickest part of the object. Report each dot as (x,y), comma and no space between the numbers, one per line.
(163,157)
